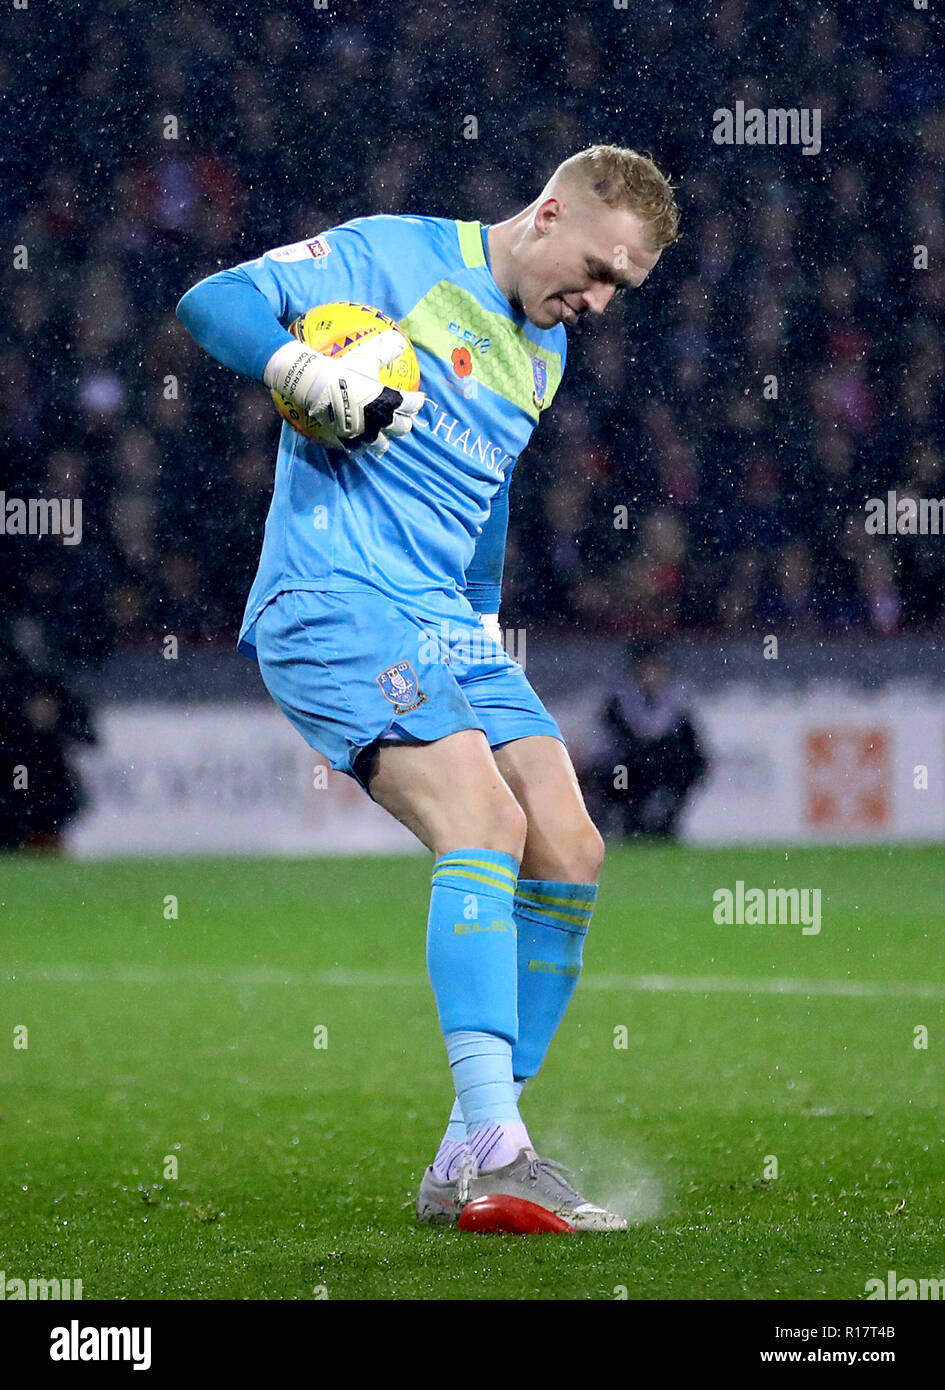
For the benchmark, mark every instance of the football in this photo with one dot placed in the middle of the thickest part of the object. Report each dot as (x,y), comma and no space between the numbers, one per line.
(335,329)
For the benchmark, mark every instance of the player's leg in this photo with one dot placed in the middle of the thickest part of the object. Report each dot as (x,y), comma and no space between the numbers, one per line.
(556,892)
(554,903)
(562,842)
(450,793)
(563,852)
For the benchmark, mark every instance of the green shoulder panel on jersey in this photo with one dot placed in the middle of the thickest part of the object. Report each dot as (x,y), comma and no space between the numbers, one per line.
(470,340)
(470,243)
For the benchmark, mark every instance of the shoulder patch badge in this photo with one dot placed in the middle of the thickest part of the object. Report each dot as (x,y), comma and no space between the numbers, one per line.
(540,376)
(301,250)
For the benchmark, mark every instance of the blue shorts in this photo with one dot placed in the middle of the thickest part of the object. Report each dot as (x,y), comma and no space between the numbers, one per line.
(351,669)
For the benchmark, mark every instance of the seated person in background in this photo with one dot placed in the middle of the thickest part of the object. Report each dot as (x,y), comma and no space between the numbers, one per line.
(654,756)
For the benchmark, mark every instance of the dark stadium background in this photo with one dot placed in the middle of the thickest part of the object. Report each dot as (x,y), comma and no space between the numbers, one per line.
(295,119)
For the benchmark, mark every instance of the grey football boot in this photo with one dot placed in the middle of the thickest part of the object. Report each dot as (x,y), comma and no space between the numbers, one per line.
(437,1203)
(538,1180)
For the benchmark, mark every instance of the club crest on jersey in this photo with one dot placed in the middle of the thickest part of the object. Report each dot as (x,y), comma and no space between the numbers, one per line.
(400,685)
(540,375)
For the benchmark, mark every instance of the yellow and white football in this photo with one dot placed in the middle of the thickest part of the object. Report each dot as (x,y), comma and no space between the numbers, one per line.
(335,329)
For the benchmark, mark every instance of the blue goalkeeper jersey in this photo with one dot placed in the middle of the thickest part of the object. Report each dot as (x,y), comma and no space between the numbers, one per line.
(426,521)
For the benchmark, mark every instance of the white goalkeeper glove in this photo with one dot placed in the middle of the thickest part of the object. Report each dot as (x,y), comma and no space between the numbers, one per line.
(344,393)
(490,621)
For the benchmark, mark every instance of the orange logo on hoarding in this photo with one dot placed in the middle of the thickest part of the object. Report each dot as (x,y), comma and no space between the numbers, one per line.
(847,777)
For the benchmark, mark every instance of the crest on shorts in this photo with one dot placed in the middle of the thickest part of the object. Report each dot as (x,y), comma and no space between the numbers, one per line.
(540,374)
(400,685)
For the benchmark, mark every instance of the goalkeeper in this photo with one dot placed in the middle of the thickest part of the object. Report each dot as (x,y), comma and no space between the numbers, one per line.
(368,551)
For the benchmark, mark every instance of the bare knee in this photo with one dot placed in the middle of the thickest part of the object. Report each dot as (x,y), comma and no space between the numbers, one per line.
(574,853)
(591,853)
(495,822)
(585,853)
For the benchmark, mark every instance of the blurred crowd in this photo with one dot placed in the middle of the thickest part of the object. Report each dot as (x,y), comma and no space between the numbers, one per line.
(707,461)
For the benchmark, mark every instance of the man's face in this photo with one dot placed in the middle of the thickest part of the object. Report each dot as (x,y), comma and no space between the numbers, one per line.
(582,253)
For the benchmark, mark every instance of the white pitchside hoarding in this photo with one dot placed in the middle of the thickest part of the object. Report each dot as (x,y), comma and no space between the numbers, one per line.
(822,768)
(219,779)
(818,768)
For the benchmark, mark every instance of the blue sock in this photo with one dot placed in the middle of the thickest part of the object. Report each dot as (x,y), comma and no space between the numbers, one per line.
(552,921)
(473,965)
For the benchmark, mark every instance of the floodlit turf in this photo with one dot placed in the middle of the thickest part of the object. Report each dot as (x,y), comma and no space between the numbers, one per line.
(298,1165)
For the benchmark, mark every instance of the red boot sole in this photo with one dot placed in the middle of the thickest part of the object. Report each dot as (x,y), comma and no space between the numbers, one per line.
(501,1215)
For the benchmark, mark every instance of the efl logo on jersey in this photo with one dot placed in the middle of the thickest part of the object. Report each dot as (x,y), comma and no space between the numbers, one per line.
(401,687)
(301,250)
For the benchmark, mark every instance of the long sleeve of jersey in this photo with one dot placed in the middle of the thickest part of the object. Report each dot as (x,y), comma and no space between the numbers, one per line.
(484,574)
(231,317)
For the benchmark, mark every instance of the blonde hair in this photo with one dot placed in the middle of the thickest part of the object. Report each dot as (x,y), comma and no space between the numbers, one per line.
(625,179)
